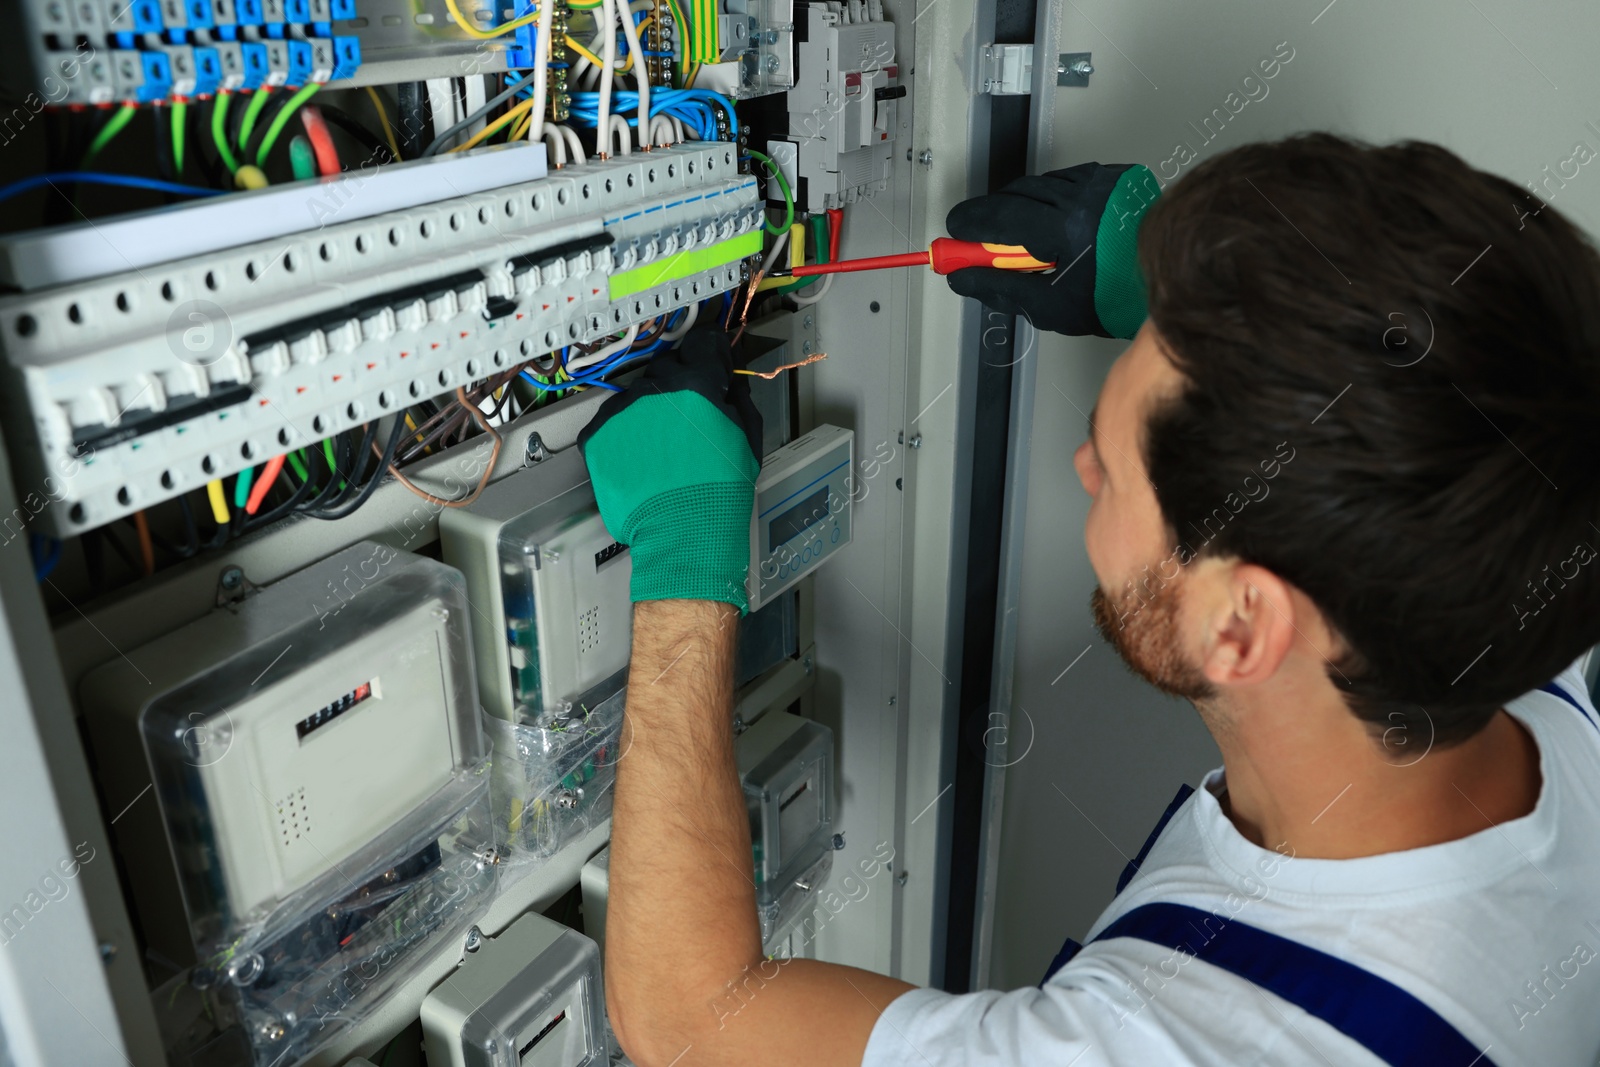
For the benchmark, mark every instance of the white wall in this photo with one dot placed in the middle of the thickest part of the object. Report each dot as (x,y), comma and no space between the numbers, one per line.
(1108,751)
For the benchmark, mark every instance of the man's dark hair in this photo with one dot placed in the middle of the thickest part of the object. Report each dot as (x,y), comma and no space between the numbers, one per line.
(1426,339)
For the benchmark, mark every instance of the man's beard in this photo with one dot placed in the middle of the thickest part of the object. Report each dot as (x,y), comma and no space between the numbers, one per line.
(1145,634)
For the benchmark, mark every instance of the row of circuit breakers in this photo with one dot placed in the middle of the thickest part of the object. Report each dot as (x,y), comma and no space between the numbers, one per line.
(349,765)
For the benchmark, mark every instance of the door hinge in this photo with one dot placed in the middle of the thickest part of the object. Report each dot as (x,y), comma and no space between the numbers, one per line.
(1006,69)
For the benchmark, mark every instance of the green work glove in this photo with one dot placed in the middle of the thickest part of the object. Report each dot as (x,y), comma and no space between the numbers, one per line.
(674,460)
(1060,217)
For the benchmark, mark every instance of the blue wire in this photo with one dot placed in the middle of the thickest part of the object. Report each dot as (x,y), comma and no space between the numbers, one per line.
(89,177)
(43,567)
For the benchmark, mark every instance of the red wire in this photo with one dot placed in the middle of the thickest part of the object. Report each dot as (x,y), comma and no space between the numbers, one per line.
(835,232)
(905,259)
(258,492)
(321,139)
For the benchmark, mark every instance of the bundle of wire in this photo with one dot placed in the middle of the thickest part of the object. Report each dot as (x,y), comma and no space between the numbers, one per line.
(692,107)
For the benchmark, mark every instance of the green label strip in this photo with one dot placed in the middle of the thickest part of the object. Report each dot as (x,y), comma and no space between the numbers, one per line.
(683,264)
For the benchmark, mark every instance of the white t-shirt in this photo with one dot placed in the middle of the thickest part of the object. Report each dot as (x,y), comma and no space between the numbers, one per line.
(1498,933)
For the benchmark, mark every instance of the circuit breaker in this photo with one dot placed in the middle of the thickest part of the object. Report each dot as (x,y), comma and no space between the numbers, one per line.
(531,997)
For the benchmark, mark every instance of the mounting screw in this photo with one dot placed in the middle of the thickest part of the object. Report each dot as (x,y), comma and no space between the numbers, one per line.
(925,157)
(536,452)
(474,939)
(915,442)
(108,952)
(892,700)
(806,348)
(232,577)
(900,879)
(773,64)
(838,842)
(738,725)
(1081,67)
(805,323)
(806,663)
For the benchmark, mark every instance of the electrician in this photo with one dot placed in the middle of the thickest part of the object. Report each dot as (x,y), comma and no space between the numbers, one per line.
(1344,500)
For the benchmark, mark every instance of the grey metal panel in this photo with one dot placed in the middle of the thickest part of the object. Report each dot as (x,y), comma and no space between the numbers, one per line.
(1109,751)
(59,1003)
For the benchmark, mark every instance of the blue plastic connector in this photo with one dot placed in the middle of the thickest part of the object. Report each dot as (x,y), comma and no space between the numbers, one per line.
(300,63)
(343,9)
(199,14)
(523,40)
(146,16)
(248,12)
(207,71)
(256,66)
(347,56)
(157,77)
(297,11)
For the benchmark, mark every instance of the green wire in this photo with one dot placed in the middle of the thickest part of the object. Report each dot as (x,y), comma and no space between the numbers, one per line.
(327,452)
(298,465)
(180,127)
(302,158)
(281,119)
(783,184)
(251,114)
(241,487)
(112,127)
(219,131)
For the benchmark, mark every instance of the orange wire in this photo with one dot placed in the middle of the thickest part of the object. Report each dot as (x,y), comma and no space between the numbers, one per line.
(147,550)
(321,139)
(258,492)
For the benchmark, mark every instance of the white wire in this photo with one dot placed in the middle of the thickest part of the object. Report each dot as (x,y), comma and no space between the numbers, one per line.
(677,129)
(558,145)
(621,344)
(641,76)
(541,70)
(661,131)
(822,291)
(608,15)
(776,251)
(619,130)
(574,146)
(687,324)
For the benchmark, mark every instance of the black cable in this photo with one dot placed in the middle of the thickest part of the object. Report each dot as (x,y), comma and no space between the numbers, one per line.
(121,549)
(278,511)
(395,435)
(191,532)
(205,151)
(477,116)
(269,111)
(356,466)
(376,149)
(411,101)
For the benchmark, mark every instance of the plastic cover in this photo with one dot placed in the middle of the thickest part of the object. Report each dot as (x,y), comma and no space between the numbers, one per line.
(553,779)
(789,800)
(500,1033)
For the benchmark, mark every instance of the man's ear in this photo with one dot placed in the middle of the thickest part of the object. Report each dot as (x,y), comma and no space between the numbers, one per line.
(1250,624)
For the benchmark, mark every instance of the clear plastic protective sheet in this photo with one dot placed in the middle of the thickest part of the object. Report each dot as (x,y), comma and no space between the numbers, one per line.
(553,778)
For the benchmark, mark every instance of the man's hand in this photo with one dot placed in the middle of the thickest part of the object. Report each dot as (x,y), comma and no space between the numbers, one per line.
(1086,220)
(674,461)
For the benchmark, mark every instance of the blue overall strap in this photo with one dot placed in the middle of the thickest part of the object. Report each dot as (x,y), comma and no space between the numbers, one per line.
(1392,1024)
(1557,691)
(1070,948)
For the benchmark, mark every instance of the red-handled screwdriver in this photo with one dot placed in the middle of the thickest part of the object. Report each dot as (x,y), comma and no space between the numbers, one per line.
(946,255)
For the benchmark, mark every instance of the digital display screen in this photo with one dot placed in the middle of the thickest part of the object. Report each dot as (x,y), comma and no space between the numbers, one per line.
(798,519)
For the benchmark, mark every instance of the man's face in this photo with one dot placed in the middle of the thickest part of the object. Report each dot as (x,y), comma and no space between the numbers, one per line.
(1138,606)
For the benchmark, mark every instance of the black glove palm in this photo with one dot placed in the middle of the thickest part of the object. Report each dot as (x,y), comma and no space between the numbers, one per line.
(1085,219)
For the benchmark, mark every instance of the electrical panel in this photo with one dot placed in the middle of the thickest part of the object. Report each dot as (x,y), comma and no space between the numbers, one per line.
(802,511)
(834,138)
(320,789)
(135,388)
(786,766)
(531,997)
(554,617)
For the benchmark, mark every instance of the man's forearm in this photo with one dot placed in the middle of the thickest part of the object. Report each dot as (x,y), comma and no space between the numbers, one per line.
(681,919)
